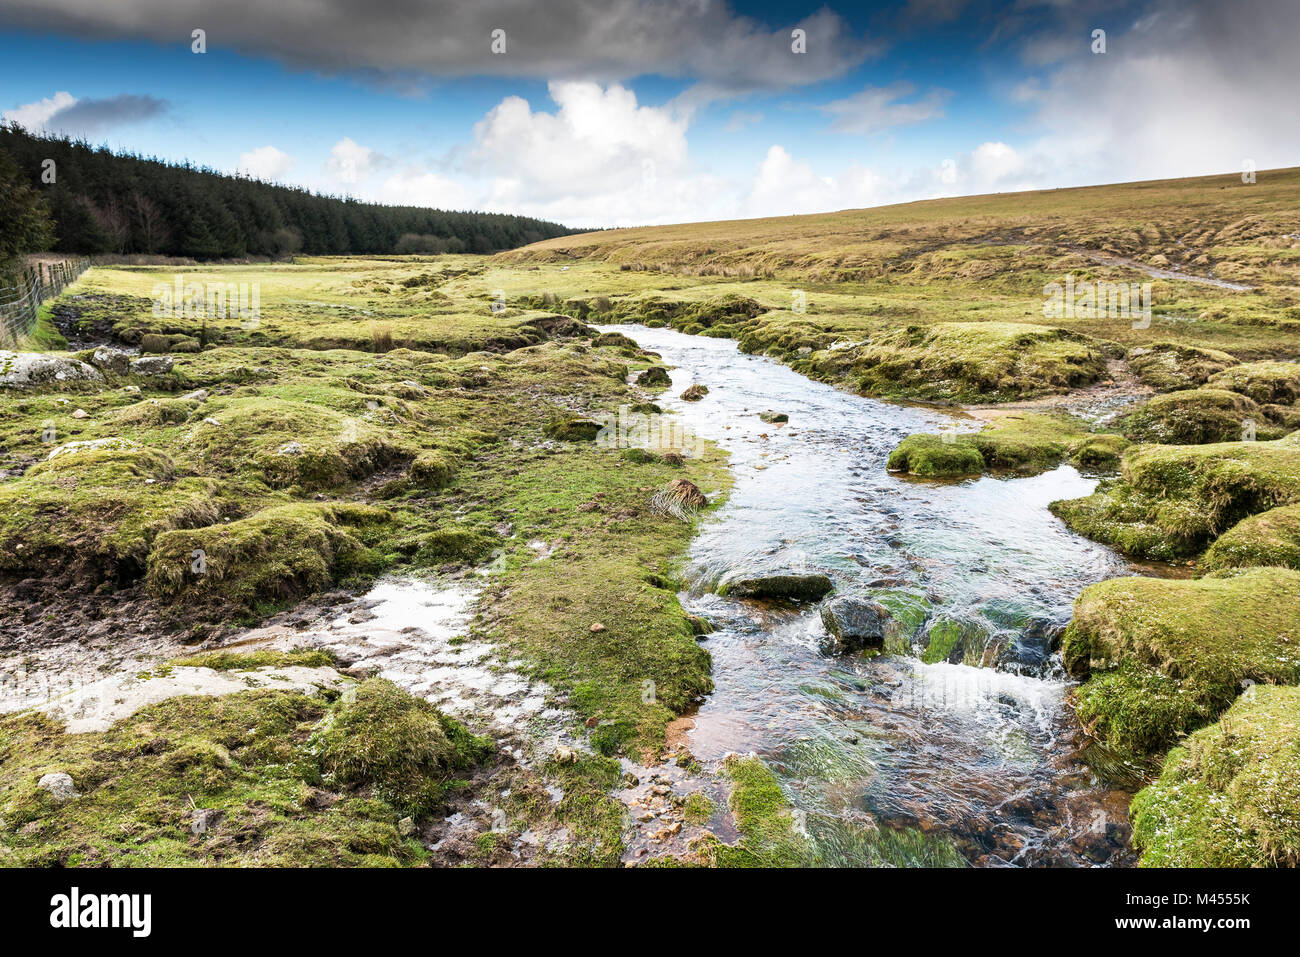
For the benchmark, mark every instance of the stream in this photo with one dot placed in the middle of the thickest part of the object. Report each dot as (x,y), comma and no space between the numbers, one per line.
(972,758)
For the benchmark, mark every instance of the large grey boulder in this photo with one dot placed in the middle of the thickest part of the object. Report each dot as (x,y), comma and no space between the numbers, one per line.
(23,370)
(854,622)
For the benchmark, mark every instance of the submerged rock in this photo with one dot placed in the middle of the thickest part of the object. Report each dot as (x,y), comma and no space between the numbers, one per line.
(787,586)
(854,622)
(22,370)
(774,418)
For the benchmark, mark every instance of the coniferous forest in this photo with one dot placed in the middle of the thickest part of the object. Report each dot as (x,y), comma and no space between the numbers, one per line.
(106,202)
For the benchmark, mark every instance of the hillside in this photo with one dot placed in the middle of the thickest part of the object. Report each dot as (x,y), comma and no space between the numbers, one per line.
(1208,224)
(105,202)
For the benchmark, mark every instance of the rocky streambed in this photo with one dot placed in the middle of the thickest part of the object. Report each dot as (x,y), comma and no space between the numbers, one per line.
(959,734)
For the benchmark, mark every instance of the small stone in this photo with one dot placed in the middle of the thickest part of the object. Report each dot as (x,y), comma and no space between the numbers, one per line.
(563,755)
(291,448)
(59,784)
(406,827)
(597,627)
(81,414)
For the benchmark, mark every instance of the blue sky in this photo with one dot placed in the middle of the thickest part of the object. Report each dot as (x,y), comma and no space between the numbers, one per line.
(638,111)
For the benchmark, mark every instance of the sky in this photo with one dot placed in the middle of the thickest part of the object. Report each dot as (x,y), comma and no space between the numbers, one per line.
(599,113)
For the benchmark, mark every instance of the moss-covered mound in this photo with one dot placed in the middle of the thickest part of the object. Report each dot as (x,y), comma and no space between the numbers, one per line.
(1167,655)
(398,746)
(966,361)
(97,507)
(1268,383)
(1172,501)
(1270,538)
(1167,365)
(932,456)
(1022,442)
(257,778)
(1198,416)
(1228,797)
(285,442)
(277,554)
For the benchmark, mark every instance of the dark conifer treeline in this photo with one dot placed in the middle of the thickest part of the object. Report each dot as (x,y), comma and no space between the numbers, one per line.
(104,202)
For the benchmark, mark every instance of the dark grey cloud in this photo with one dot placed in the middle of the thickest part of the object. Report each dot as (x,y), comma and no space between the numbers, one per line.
(704,40)
(96,116)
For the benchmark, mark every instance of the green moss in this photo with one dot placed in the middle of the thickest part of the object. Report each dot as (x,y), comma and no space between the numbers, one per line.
(768,837)
(98,509)
(240,758)
(288,442)
(1172,501)
(569,428)
(261,658)
(1169,365)
(1228,796)
(1195,417)
(953,639)
(1138,710)
(277,554)
(455,546)
(1021,442)
(1276,383)
(1269,538)
(967,361)
(398,747)
(699,808)
(433,469)
(930,456)
(1207,636)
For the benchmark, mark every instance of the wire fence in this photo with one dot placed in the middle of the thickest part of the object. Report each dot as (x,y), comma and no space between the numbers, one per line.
(21,298)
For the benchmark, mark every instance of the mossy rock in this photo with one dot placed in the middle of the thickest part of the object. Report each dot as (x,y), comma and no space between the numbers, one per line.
(1166,365)
(1022,442)
(1269,538)
(778,586)
(695,393)
(955,640)
(656,377)
(1208,635)
(1227,797)
(394,744)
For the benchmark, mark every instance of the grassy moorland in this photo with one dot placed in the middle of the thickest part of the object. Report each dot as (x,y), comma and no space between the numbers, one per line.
(434,414)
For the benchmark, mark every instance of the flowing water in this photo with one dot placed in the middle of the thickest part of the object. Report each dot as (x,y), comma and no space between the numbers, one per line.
(975,752)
